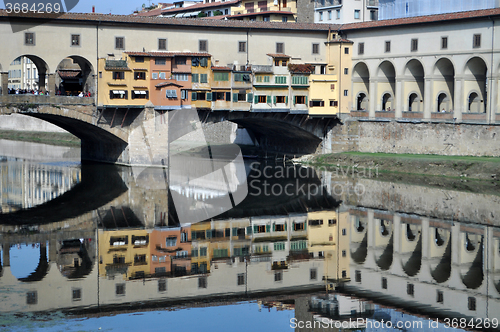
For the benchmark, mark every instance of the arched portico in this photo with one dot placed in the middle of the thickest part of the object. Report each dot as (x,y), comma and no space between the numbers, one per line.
(74,74)
(386,86)
(361,85)
(413,85)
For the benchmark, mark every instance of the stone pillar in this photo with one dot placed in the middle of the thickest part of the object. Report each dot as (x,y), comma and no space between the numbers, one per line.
(428,98)
(41,82)
(492,100)
(398,95)
(373,98)
(52,84)
(52,250)
(6,254)
(458,106)
(4,87)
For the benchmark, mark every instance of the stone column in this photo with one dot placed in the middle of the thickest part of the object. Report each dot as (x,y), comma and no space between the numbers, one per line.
(41,82)
(6,254)
(398,95)
(4,87)
(428,98)
(52,249)
(492,100)
(52,84)
(458,106)
(373,98)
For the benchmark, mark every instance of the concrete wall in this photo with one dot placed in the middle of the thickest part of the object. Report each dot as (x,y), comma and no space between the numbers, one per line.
(416,138)
(21,122)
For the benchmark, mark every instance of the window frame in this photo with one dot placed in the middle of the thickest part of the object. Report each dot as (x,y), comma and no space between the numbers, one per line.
(29,41)
(78,39)
(315,48)
(361,48)
(242,46)
(357,14)
(202,45)
(119,47)
(476,40)
(444,42)
(387,46)
(414,45)
(160,41)
(280,48)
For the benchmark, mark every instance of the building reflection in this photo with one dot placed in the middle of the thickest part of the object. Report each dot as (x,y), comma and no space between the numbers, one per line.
(24,184)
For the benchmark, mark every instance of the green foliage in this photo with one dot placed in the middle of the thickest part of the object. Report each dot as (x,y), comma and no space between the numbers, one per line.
(202,14)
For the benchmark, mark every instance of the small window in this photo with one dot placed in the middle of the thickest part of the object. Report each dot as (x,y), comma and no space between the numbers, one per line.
(119,43)
(476,41)
(202,282)
(242,46)
(338,14)
(361,48)
(278,276)
(180,60)
(321,16)
(315,49)
(139,59)
(439,297)
(373,15)
(32,297)
(120,289)
(346,71)
(344,253)
(384,283)
(334,103)
(160,61)
(261,99)
(162,44)
(472,303)
(346,50)
(356,14)
(280,48)
(75,40)
(284,63)
(344,231)
(444,43)
(241,279)
(332,222)
(300,100)
(118,75)
(276,62)
(414,45)
(410,289)
(387,46)
(317,103)
(346,93)
(162,285)
(203,45)
(29,38)
(77,294)
(284,19)
(344,274)
(139,75)
(329,15)
(357,276)
(313,274)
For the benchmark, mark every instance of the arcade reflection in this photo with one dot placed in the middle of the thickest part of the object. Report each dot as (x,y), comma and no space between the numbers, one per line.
(316,255)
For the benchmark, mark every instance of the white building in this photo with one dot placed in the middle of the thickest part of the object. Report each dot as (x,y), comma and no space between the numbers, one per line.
(345,11)
(390,9)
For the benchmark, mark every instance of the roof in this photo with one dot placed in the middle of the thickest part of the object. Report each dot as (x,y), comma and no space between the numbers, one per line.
(275,12)
(160,85)
(422,19)
(128,20)
(278,55)
(300,68)
(168,54)
(68,73)
(222,68)
(199,6)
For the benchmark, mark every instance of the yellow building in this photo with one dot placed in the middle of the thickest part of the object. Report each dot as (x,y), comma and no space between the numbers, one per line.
(328,237)
(124,82)
(201,81)
(124,252)
(266,10)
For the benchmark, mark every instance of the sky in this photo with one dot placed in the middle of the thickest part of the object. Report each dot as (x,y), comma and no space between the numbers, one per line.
(120,7)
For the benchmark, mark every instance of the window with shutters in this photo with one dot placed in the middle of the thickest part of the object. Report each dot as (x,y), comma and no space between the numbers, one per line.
(203,45)
(361,48)
(203,251)
(75,40)
(476,41)
(334,103)
(414,45)
(160,61)
(162,44)
(184,96)
(221,77)
(139,75)
(180,60)
(280,100)
(387,46)
(181,77)
(261,99)
(29,38)
(280,48)
(118,75)
(280,79)
(242,46)
(195,78)
(317,103)
(140,94)
(119,43)
(203,78)
(300,80)
(301,100)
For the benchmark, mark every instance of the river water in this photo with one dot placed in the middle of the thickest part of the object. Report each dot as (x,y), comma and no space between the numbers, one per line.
(240,245)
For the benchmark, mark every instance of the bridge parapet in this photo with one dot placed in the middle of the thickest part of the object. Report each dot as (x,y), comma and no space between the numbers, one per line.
(45,100)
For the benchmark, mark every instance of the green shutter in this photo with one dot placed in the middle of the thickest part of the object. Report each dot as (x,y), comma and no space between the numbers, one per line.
(268,99)
(306,101)
(274,100)
(228,96)
(286,225)
(268,228)
(194,96)
(249,230)
(209,96)
(209,233)
(249,97)
(286,100)
(256,100)
(235,97)
(255,229)
(274,227)
(235,231)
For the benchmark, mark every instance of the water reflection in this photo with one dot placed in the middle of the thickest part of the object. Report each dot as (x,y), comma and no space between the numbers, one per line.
(119,246)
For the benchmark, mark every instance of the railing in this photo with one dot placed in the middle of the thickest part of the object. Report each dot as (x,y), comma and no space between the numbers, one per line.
(262,69)
(44,99)
(372,3)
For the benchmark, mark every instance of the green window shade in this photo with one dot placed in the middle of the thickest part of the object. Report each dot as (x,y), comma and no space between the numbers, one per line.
(258,79)
(249,97)
(274,99)
(209,96)
(235,97)
(268,228)
(268,99)
(286,222)
(280,79)
(195,78)
(204,62)
(238,77)
(194,96)
(228,96)
(194,253)
(306,101)
(256,101)
(235,231)
(209,233)
(266,79)
(203,78)
(255,229)
(249,230)
(221,77)
(203,251)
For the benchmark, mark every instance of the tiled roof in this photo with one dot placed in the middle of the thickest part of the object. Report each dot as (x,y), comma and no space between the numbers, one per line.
(278,55)
(218,17)
(300,68)
(69,73)
(422,19)
(167,54)
(221,68)
(198,7)
(130,20)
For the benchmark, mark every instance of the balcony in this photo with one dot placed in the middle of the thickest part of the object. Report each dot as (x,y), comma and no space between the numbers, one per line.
(262,69)
(372,3)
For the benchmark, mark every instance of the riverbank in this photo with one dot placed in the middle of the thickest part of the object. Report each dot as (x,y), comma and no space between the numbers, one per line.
(51,138)
(464,167)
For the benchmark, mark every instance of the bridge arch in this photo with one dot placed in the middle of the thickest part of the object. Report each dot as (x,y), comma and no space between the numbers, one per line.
(74,74)
(440,254)
(359,240)
(40,270)
(24,64)
(384,244)
(471,260)
(411,249)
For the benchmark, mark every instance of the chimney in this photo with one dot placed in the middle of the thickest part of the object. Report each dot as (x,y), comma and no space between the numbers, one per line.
(93,9)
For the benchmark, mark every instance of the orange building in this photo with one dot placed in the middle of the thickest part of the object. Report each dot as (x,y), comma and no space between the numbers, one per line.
(170,251)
